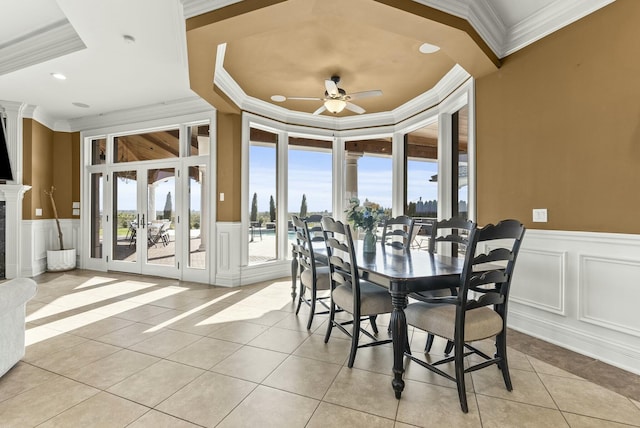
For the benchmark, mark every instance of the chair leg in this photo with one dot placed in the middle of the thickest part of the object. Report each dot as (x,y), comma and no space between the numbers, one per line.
(300,298)
(372,321)
(448,348)
(354,340)
(313,307)
(332,315)
(459,368)
(501,349)
(427,346)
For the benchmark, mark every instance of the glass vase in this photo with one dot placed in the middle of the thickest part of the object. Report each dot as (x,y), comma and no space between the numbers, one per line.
(369,242)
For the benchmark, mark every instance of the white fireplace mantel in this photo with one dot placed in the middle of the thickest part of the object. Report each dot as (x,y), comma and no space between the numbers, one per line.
(12,194)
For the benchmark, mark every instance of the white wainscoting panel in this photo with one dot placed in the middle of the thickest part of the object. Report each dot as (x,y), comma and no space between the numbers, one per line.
(228,240)
(540,280)
(42,235)
(607,283)
(230,271)
(579,290)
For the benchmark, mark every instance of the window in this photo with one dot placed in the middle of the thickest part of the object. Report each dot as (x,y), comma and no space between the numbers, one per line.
(147,146)
(199,140)
(421,190)
(98,151)
(263,195)
(368,172)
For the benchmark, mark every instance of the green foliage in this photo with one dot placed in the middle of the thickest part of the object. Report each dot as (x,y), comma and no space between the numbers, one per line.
(303,206)
(272,209)
(367,216)
(194,220)
(254,208)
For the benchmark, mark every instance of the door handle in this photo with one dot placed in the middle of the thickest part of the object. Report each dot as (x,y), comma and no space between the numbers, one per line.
(143,222)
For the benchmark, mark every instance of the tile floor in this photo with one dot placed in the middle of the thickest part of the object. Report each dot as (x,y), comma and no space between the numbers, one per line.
(115,350)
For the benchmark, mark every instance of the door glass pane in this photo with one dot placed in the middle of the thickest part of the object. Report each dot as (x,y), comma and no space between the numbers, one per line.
(125,211)
(368,173)
(310,178)
(161,191)
(262,193)
(199,143)
(147,146)
(96,215)
(197,217)
(421,151)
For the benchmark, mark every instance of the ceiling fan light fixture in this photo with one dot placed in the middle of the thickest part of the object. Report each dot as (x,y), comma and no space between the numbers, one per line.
(335,105)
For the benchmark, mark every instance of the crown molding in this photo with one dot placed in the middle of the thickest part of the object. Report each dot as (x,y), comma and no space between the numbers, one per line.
(198,7)
(169,109)
(479,14)
(431,98)
(547,20)
(45,44)
(484,19)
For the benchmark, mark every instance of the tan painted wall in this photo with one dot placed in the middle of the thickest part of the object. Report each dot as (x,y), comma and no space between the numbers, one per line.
(558,127)
(50,158)
(229,151)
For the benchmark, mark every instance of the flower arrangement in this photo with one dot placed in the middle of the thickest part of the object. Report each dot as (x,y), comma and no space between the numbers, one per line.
(366,216)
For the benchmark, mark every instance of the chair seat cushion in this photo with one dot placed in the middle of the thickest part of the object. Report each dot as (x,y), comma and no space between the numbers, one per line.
(439,319)
(322,278)
(373,299)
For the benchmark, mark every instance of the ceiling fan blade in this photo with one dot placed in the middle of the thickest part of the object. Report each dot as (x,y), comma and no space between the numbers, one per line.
(332,88)
(364,94)
(320,110)
(305,98)
(354,108)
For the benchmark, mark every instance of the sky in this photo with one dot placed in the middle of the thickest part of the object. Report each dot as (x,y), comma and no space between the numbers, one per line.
(310,174)
(127,191)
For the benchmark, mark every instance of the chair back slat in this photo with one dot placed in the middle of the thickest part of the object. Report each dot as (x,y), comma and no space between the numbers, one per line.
(398,231)
(507,236)
(305,251)
(455,230)
(341,255)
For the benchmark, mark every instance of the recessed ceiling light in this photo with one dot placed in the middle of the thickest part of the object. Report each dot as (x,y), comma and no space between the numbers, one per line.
(81,105)
(427,48)
(128,39)
(59,76)
(278,98)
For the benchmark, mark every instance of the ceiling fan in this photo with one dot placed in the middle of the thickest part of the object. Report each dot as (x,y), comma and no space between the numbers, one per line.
(335,99)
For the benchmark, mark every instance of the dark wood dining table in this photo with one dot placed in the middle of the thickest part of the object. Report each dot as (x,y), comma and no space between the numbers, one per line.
(402,272)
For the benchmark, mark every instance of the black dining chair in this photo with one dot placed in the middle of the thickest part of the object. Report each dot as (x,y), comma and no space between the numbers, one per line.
(479,310)
(398,231)
(313,277)
(360,298)
(454,231)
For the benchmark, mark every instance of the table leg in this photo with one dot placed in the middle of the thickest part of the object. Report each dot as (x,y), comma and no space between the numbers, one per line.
(399,335)
(294,273)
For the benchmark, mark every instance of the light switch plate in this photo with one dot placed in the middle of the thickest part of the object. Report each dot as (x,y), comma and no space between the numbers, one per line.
(540,215)
(38,212)
(221,197)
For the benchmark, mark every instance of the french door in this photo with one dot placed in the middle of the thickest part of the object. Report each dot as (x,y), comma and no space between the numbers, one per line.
(144,220)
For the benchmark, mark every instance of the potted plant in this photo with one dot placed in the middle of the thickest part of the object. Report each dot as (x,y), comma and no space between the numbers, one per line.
(59,260)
